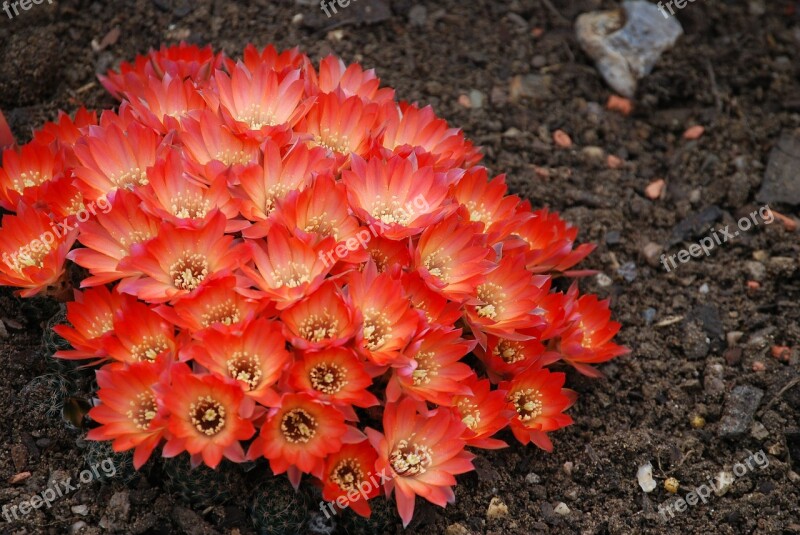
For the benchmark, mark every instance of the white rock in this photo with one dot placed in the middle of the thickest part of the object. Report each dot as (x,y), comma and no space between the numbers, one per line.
(80,510)
(497,509)
(561,509)
(645,477)
(723,483)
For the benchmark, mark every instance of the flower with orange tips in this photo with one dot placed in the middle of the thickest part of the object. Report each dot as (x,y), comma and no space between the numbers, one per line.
(506,358)
(140,335)
(162,103)
(387,320)
(299,434)
(340,124)
(350,80)
(420,454)
(435,373)
(109,237)
(212,147)
(318,212)
(333,375)
(112,158)
(254,357)
(66,131)
(451,258)
(61,198)
(350,478)
(262,186)
(128,411)
(269,56)
(588,338)
(484,412)
(408,126)
(486,202)
(179,261)
(216,305)
(204,417)
(323,319)
(91,318)
(286,268)
(549,243)
(507,299)
(33,251)
(259,98)
(397,195)
(24,171)
(434,309)
(539,401)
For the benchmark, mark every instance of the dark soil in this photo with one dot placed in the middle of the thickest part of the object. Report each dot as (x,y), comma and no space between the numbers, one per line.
(736,72)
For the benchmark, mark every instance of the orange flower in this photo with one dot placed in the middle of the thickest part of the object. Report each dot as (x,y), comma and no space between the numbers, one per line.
(420,454)
(91,316)
(506,358)
(162,103)
(484,412)
(487,203)
(112,156)
(435,373)
(587,340)
(110,236)
(179,261)
(434,309)
(128,410)
(387,320)
(298,435)
(24,171)
(216,305)
(258,98)
(341,125)
(399,197)
(452,259)
(507,299)
(204,417)
(539,401)
(255,357)
(333,375)
(212,147)
(351,80)
(408,126)
(33,251)
(269,56)
(140,335)
(323,319)
(350,478)
(286,268)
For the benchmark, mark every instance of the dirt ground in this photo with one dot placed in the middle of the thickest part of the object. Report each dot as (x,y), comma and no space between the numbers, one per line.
(696,332)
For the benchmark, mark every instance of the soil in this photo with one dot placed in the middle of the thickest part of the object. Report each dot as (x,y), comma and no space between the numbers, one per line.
(695,332)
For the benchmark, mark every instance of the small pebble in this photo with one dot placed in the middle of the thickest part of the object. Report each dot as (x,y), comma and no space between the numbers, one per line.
(80,510)
(561,509)
(496,509)
(649,315)
(77,527)
(758,431)
(619,104)
(693,132)
(532,479)
(671,485)
(652,253)
(740,406)
(603,280)
(645,477)
(724,480)
(456,529)
(627,271)
(704,288)
(613,162)
(613,237)
(568,467)
(562,139)
(733,337)
(418,16)
(698,422)
(758,366)
(655,189)
(476,98)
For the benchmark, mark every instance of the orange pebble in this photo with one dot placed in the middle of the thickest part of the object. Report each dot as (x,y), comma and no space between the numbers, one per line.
(464,101)
(694,132)
(781,353)
(613,162)
(619,104)
(562,139)
(655,189)
(753,285)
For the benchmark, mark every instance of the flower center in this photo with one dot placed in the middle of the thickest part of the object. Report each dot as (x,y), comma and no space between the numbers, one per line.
(101,325)
(438,264)
(149,348)
(188,206)
(319,224)
(333,141)
(427,368)
(208,415)
(528,403)
(245,368)
(189,271)
(28,179)
(316,328)
(256,117)
(493,295)
(377,329)
(328,378)
(298,425)
(130,178)
(292,275)
(508,350)
(470,413)
(347,474)
(410,458)
(391,211)
(226,313)
(143,409)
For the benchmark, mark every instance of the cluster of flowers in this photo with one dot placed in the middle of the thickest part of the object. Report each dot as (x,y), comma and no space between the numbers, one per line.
(224,325)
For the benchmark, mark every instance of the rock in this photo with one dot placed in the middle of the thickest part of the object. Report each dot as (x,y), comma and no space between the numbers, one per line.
(418,16)
(704,289)
(645,477)
(613,237)
(695,225)
(532,479)
(190,522)
(533,86)
(758,431)
(782,179)
(80,510)
(561,509)
(733,356)
(77,527)
(19,456)
(626,43)
(649,315)
(652,253)
(627,271)
(724,480)
(733,338)
(603,280)
(118,510)
(593,153)
(497,509)
(456,529)
(476,98)
(756,270)
(739,409)
(713,382)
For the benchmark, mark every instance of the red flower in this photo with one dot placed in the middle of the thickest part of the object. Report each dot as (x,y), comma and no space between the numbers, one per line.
(323,319)
(420,454)
(255,358)
(333,375)
(484,412)
(350,478)
(341,125)
(91,315)
(539,400)
(506,358)
(129,411)
(487,202)
(140,335)
(204,417)
(24,171)
(350,80)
